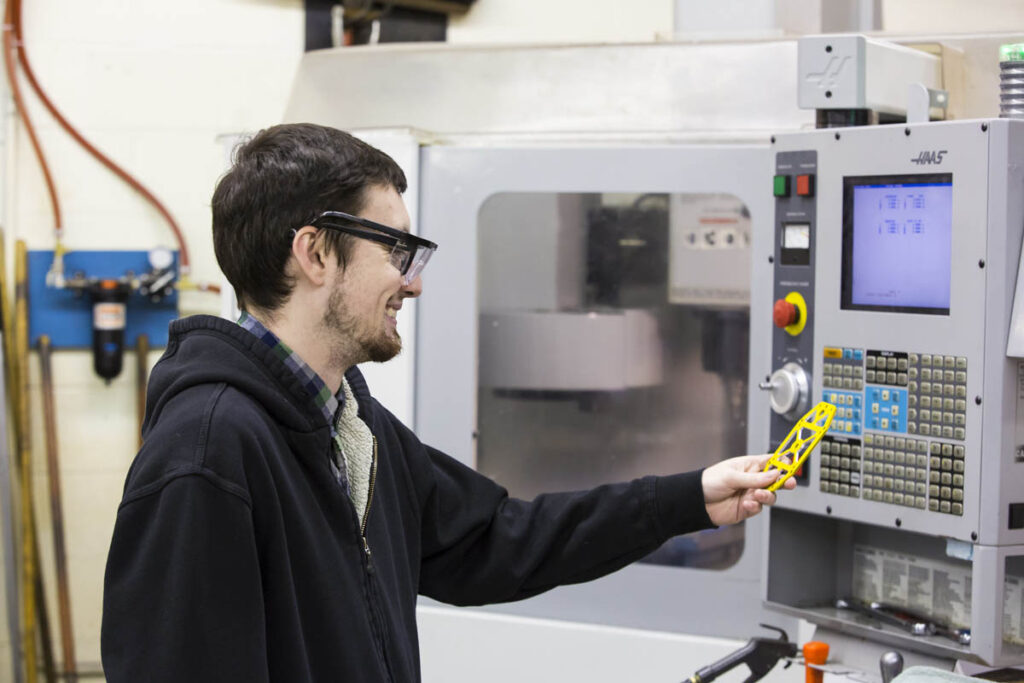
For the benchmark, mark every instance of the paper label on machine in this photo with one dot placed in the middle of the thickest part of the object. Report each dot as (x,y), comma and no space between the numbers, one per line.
(1013,610)
(942,590)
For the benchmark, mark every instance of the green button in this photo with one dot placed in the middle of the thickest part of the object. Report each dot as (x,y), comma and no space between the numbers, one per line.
(1012,53)
(781,186)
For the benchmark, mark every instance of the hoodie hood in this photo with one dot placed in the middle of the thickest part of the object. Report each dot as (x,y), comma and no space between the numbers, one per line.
(205,349)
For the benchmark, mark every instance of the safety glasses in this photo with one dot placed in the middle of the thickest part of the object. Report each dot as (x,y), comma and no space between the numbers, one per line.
(409,253)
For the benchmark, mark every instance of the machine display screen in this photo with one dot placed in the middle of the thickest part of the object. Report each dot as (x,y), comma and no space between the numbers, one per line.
(897,243)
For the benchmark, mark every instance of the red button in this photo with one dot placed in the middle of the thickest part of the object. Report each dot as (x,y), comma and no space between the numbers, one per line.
(785,314)
(805,185)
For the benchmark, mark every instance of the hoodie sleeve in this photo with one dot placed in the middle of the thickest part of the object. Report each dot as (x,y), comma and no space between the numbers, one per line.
(481,546)
(182,597)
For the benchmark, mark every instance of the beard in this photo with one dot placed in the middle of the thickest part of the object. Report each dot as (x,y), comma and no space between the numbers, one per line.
(350,346)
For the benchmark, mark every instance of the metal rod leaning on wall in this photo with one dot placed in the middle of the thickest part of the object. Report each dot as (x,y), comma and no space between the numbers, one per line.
(141,380)
(57,510)
(34,608)
(7,452)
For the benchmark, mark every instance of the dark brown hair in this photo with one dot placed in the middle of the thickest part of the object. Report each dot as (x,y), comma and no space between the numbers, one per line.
(282,178)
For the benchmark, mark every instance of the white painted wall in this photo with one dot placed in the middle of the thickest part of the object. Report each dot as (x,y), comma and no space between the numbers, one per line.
(153,83)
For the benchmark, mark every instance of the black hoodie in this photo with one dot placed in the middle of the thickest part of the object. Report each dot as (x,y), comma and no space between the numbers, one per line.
(237,557)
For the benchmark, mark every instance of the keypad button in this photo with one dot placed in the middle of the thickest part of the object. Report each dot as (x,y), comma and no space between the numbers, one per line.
(933,491)
(936,462)
(855,451)
(961,392)
(926,359)
(890,377)
(901,364)
(887,497)
(961,377)
(947,464)
(958,451)
(844,489)
(947,418)
(890,363)
(961,363)
(844,476)
(933,505)
(958,509)
(945,478)
(960,420)
(948,390)
(936,448)
(869,375)
(947,376)
(926,374)
(876,495)
(912,373)
(869,361)
(921,502)
(823,486)
(833,487)
(945,506)
(958,466)
(947,449)
(947,432)
(958,494)
(914,358)
(912,386)
(933,477)
(924,430)
(925,414)
(960,433)
(901,379)
(926,387)
(949,362)
(920,488)
(897,498)
(858,384)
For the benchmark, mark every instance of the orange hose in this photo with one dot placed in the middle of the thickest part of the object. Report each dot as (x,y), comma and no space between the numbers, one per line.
(89,147)
(9,41)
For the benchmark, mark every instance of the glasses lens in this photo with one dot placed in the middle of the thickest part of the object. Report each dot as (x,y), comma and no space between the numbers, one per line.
(416,264)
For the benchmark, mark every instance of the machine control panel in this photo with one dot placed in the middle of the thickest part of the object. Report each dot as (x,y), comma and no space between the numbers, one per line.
(909,278)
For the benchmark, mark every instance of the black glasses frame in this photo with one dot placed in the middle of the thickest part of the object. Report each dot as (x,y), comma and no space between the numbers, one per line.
(390,236)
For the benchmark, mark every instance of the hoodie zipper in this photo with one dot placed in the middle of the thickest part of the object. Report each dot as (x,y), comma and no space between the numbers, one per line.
(366,511)
(374,609)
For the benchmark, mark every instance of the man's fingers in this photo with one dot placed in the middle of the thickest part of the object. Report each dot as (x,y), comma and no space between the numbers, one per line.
(752,480)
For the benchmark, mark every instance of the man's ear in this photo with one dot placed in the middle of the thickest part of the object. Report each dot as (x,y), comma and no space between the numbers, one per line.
(310,255)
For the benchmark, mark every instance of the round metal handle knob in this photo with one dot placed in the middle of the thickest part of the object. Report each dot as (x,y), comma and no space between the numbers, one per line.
(790,389)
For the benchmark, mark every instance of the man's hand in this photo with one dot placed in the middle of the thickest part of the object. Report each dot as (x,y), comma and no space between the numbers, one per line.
(734,488)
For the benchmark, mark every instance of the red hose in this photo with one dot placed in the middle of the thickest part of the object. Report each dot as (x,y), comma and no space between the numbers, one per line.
(15,8)
(9,40)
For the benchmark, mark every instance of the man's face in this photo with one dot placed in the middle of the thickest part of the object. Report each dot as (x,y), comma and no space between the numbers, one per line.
(367,295)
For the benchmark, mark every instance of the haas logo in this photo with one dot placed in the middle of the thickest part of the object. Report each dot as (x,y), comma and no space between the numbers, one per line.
(926,157)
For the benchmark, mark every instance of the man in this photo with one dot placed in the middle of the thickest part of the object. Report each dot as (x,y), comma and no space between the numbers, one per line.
(278,523)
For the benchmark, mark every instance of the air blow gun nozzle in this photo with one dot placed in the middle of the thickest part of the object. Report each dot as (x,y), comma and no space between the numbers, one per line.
(759,654)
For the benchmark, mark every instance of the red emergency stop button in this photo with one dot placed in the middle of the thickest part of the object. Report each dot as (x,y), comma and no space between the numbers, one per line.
(805,185)
(785,314)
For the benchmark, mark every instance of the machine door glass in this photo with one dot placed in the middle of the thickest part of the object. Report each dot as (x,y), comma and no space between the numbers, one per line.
(613,344)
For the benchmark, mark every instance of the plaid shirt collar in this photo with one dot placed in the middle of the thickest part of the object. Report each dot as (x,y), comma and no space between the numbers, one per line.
(329,403)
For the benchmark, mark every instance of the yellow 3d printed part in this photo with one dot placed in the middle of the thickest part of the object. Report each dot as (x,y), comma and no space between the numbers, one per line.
(800,441)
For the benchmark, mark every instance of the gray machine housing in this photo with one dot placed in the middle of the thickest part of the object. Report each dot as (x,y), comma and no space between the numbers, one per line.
(814,530)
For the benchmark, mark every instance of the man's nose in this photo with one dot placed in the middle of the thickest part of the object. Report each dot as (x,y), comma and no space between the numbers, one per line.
(414,288)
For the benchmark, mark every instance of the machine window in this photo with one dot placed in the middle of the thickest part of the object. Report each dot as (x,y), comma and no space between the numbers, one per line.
(613,344)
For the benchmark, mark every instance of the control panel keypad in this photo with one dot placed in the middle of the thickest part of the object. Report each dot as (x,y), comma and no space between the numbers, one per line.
(840,467)
(893,407)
